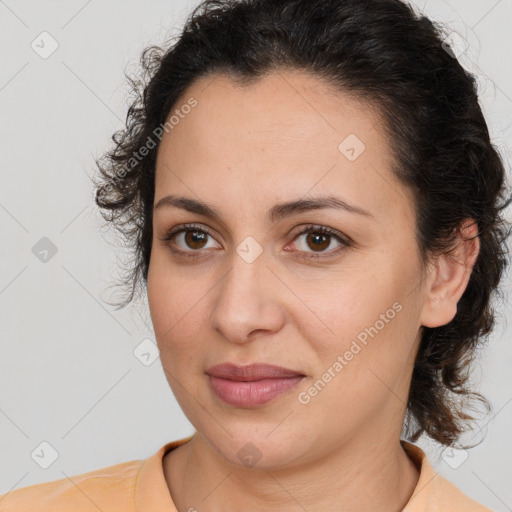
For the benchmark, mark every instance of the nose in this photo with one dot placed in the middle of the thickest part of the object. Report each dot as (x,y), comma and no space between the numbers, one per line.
(248,301)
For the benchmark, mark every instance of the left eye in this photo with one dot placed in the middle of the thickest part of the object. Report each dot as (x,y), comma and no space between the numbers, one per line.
(320,238)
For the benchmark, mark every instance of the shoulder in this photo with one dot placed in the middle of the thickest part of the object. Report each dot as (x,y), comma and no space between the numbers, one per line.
(450,497)
(107,489)
(137,484)
(433,492)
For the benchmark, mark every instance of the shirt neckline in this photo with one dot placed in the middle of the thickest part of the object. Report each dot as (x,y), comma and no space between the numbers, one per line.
(152,493)
(151,490)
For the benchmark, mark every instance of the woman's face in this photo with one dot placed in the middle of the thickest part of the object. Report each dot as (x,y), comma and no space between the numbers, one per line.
(242,289)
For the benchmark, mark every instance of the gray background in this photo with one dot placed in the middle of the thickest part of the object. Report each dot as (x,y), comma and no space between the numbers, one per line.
(68,372)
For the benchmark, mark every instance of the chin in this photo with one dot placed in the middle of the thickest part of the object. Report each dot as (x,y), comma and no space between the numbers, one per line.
(258,450)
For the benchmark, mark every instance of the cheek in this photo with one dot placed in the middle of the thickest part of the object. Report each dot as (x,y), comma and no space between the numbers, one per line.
(360,372)
(350,307)
(158,296)
(165,298)
(177,311)
(371,324)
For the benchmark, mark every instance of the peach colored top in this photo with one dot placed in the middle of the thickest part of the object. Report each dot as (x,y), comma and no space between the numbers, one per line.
(140,486)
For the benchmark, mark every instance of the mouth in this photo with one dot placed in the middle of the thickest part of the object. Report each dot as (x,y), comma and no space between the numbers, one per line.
(253,385)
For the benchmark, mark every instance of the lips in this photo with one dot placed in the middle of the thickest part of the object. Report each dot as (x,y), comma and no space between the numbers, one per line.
(253,385)
(251,372)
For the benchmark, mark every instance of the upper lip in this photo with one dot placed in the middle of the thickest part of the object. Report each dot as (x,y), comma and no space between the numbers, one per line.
(251,372)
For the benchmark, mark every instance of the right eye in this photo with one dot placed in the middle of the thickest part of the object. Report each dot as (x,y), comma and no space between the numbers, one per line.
(193,236)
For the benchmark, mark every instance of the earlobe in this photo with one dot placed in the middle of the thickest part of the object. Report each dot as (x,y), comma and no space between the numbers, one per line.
(450,275)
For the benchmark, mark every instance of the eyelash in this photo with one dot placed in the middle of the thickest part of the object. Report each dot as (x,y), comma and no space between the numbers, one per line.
(307,229)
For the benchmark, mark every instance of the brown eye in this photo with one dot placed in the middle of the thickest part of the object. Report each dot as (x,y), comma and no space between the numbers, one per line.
(195,239)
(188,240)
(318,241)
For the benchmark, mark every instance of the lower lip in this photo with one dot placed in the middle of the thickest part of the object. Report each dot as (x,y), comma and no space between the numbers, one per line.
(252,393)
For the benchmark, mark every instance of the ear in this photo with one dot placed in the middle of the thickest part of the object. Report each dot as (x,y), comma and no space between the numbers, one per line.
(449,276)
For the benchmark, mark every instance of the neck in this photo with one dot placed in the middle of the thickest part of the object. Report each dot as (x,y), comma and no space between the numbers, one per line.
(199,478)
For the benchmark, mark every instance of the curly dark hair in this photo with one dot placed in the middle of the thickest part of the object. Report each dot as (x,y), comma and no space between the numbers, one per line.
(381,51)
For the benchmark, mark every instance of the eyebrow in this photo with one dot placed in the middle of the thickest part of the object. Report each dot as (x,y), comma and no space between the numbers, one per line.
(276,212)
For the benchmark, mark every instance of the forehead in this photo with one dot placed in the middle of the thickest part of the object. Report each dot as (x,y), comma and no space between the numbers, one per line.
(290,102)
(282,136)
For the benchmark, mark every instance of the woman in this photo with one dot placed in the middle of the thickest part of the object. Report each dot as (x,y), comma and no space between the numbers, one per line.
(315,210)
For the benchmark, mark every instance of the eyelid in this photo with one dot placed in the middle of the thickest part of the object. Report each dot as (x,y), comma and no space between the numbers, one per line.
(344,240)
(186,227)
(177,230)
(305,228)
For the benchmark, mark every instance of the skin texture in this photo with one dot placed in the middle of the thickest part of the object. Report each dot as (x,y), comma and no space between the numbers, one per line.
(243,149)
